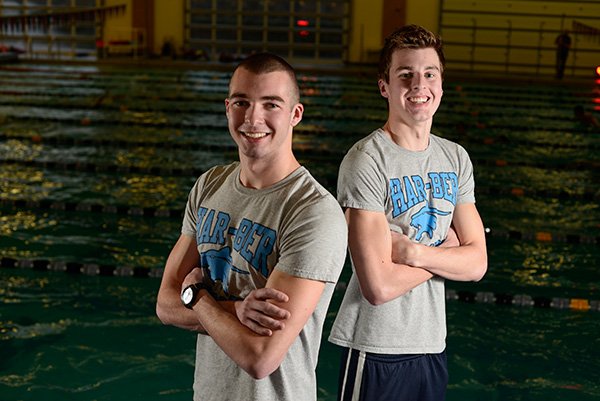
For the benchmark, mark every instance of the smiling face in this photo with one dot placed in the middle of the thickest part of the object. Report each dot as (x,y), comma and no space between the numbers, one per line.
(414,89)
(262,112)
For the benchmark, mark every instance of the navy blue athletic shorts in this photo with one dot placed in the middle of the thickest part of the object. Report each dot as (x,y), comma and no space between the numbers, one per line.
(366,376)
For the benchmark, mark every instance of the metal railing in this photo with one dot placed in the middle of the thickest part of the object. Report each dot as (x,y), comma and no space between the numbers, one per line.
(519,36)
(51,29)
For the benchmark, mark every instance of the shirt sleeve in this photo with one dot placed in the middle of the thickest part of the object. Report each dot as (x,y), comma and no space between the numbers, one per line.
(190,216)
(361,183)
(466,183)
(313,245)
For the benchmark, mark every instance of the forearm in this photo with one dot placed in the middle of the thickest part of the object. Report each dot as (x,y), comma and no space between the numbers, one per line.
(404,278)
(258,355)
(462,257)
(460,263)
(170,310)
(381,279)
(392,281)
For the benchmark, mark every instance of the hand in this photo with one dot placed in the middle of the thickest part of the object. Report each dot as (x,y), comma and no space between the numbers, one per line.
(259,314)
(196,275)
(402,249)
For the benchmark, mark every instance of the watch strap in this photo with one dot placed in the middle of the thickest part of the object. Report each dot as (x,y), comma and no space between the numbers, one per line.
(196,287)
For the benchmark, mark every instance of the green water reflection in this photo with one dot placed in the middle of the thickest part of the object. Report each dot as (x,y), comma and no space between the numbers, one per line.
(23,182)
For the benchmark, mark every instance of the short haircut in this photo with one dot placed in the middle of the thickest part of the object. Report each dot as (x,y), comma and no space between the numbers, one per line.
(408,37)
(264,63)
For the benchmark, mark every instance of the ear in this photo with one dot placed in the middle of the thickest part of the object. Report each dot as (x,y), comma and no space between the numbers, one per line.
(227,107)
(383,88)
(297,113)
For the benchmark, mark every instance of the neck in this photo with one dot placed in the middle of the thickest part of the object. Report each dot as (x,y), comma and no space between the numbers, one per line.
(262,174)
(413,138)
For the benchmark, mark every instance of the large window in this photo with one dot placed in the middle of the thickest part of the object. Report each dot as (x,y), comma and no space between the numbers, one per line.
(64,36)
(309,30)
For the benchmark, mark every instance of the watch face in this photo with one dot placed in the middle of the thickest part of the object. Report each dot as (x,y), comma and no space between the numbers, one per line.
(187,296)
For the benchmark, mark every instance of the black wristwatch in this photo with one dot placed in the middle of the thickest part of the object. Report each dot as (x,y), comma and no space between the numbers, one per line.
(190,293)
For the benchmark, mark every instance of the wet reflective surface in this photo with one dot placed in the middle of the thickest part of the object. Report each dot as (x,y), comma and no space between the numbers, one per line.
(95,168)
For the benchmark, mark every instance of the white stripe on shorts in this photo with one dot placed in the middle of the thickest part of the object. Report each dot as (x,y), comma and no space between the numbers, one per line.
(358,378)
(362,356)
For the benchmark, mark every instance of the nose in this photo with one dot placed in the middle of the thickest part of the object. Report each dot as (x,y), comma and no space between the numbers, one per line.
(253,115)
(417,82)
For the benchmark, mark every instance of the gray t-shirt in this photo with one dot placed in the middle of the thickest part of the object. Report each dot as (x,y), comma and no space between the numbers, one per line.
(417,191)
(295,226)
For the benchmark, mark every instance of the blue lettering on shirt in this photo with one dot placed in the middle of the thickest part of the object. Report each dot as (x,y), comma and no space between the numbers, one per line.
(410,191)
(397,196)
(254,242)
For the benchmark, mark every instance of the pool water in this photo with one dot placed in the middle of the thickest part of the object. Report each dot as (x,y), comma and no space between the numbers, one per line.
(95,167)
(90,337)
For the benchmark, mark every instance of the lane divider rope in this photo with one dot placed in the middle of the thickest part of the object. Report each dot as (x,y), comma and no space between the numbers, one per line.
(523,300)
(586,195)
(178,105)
(542,236)
(92,269)
(46,204)
(89,269)
(183,123)
(175,105)
(161,171)
(300,149)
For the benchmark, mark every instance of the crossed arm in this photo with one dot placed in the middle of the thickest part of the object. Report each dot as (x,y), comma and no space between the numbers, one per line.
(465,262)
(284,306)
(389,264)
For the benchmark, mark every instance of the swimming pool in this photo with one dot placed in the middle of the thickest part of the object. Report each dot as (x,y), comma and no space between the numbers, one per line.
(96,164)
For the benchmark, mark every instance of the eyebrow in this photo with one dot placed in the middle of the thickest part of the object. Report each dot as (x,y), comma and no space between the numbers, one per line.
(272,98)
(408,67)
